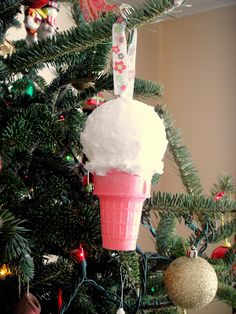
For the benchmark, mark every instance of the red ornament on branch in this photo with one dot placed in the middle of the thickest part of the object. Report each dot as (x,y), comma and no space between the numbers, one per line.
(96,100)
(93,9)
(221,250)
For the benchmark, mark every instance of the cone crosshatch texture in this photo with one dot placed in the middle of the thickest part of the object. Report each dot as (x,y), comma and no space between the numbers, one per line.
(121,198)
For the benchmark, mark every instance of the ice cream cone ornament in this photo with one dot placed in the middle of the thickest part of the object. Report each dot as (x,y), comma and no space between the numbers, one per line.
(119,141)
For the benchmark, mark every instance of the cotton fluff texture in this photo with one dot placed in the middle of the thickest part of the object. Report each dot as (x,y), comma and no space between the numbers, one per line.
(127,135)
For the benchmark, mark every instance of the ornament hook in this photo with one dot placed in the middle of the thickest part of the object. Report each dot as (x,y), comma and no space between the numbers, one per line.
(126,10)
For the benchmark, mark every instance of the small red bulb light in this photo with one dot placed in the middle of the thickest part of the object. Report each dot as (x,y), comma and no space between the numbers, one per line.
(78,254)
(219,196)
(62,117)
(81,254)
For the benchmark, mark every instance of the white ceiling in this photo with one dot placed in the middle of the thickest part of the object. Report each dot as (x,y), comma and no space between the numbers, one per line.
(189,8)
(198,6)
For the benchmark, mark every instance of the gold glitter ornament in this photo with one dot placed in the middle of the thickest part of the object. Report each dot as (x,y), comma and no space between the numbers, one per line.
(190,282)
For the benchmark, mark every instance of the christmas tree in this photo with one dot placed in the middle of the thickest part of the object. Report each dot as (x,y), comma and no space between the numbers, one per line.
(51,253)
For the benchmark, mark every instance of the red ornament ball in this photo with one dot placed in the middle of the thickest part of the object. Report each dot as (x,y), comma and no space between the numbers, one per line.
(219,252)
(36,4)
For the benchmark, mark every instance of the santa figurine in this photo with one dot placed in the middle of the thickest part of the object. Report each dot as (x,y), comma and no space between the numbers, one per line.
(40,19)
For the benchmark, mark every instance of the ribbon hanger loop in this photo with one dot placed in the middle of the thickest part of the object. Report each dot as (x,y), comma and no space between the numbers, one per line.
(124,55)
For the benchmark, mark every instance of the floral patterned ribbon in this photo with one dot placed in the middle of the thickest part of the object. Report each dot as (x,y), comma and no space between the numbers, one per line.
(123,60)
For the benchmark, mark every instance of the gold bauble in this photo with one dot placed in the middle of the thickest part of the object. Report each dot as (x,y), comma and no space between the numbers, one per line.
(191,283)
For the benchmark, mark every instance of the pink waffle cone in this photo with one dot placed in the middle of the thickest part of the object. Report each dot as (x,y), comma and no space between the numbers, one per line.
(121,196)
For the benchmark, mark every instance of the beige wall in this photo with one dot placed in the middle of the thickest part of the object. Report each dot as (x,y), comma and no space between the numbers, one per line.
(195,59)
(198,70)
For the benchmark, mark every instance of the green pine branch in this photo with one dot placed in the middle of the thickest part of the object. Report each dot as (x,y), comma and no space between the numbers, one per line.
(12,187)
(130,268)
(4,70)
(58,272)
(185,205)
(77,13)
(65,101)
(223,273)
(168,243)
(74,77)
(220,267)
(227,294)
(158,303)
(38,80)
(8,11)
(81,37)
(9,5)
(224,184)
(92,60)
(187,170)
(165,233)
(14,245)
(142,88)
(147,89)
(223,231)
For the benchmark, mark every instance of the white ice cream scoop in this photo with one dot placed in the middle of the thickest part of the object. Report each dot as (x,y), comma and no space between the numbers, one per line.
(127,135)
